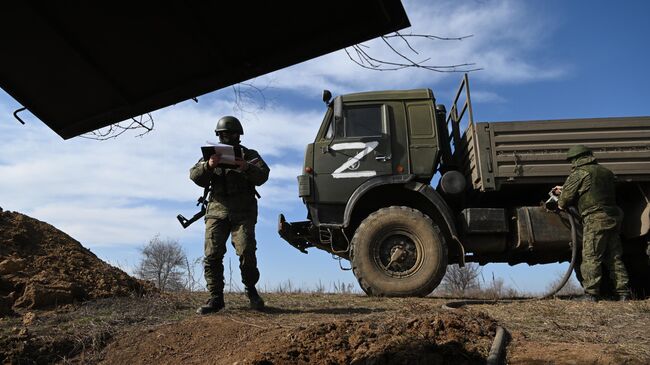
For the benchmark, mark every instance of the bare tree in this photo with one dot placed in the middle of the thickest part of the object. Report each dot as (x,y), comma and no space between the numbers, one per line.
(460,280)
(571,288)
(496,289)
(163,262)
(192,282)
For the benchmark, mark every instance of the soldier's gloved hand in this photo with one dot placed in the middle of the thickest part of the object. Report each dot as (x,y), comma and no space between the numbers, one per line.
(557,190)
(214,160)
(242,164)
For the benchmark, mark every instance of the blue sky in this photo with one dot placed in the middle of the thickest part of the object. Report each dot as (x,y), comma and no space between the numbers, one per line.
(540,60)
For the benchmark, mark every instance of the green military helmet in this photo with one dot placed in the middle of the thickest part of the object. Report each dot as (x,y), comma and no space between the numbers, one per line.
(229,124)
(577,151)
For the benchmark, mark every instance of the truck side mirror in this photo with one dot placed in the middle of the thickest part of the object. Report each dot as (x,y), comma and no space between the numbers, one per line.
(338,109)
(327,96)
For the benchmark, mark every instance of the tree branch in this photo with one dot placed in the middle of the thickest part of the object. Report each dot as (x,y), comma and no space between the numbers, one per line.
(365,60)
(144,121)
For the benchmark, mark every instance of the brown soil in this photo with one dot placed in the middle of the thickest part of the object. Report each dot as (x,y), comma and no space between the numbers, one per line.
(342,329)
(324,329)
(41,267)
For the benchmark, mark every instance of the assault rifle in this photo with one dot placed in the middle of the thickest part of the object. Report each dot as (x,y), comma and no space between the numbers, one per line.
(203,202)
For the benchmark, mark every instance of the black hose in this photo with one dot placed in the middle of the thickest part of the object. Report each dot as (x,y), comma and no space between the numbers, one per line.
(574,255)
(494,357)
(461,303)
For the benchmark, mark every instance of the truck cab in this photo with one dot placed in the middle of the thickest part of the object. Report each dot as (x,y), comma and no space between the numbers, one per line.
(378,137)
(375,150)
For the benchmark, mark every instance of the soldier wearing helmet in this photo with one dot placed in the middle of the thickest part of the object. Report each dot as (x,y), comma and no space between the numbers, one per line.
(231,211)
(591,188)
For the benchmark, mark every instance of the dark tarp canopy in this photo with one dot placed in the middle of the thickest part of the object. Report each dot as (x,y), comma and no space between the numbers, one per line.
(82,65)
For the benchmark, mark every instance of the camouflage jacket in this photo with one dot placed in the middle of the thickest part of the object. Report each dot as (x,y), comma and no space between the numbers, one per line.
(232,191)
(591,187)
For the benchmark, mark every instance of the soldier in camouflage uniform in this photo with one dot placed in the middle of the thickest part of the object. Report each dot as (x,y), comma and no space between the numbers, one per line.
(231,211)
(590,186)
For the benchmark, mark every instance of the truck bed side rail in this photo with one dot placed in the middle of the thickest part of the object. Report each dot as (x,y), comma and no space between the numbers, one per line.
(455,117)
(466,157)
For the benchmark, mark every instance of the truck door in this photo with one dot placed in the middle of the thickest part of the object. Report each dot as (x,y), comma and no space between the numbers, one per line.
(353,149)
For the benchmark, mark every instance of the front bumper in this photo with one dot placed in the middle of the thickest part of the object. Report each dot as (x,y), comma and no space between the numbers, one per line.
(297,234)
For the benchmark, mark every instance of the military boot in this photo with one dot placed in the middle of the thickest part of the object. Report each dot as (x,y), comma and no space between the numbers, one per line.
(623,297)
(256,302)
(213,305)
(588,298)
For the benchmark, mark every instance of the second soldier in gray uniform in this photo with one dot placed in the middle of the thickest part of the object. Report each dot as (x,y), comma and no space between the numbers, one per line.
(231,211)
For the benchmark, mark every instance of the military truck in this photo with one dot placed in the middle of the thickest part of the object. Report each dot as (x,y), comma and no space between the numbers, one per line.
(368,185)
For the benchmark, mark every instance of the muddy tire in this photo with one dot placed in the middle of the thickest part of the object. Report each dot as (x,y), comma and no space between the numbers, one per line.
(398,252)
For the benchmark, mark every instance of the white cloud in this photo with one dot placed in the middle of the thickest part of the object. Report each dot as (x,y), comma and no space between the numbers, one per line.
(279,195)
(504,33)
(285,172)
(122,191)
(110,225)
(480,96)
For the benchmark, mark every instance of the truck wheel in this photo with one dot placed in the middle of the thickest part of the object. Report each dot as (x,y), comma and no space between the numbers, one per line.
(398,251)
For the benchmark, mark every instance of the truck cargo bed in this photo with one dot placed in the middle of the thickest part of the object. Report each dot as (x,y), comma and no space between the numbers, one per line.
(500,153)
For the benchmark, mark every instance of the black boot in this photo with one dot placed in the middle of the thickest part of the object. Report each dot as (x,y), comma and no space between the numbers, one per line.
(213,305)
(623,297)
(588,298)
(256,302)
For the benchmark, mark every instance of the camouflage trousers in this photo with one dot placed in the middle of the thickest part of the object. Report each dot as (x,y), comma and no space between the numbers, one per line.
(601,245)
(217,231)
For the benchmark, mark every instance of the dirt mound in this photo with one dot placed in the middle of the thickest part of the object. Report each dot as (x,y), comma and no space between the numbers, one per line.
(40,266)
(434,339)
(229,338)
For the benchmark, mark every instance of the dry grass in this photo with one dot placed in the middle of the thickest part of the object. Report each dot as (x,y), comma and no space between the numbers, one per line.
(289,287)
(57,335)
(621,324)
(65,333)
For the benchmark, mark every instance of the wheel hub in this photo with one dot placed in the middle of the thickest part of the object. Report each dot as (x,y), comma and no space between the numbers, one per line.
(397,255)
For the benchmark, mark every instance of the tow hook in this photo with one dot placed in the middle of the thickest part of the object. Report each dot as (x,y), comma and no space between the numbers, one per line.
(288,232)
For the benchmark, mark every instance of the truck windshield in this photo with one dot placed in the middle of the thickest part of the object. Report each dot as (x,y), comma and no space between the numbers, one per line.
(360,121)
